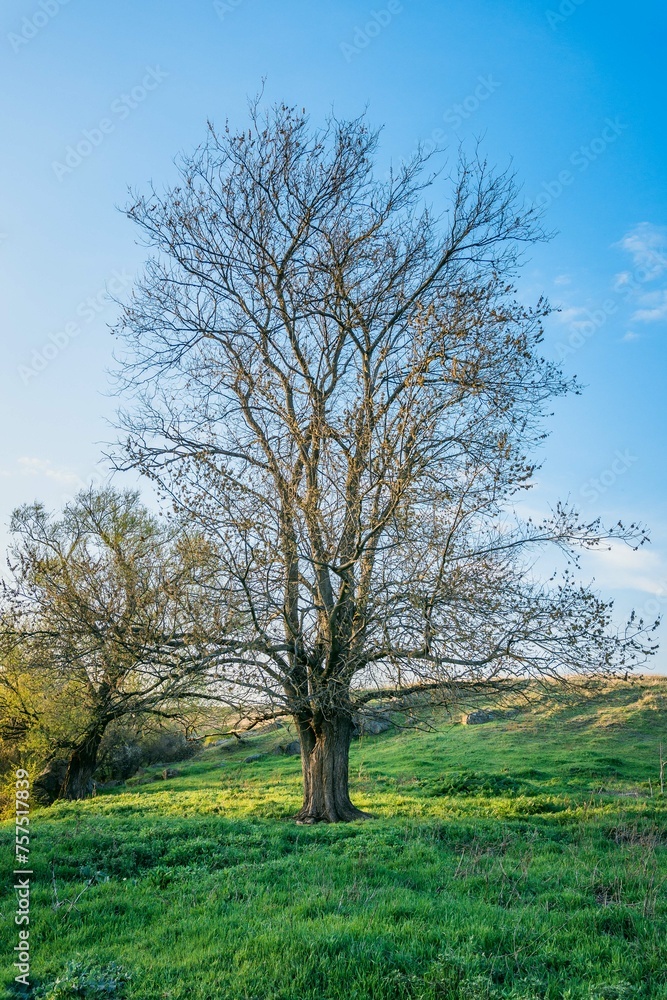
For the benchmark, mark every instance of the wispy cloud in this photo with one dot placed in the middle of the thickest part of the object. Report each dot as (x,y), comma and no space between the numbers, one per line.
(569,315)
(647,245)
(635,289)
(42,468)
(622,568)
(653,307)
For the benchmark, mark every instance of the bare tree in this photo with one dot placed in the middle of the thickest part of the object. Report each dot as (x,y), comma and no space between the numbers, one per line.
(342,387)
(99,623)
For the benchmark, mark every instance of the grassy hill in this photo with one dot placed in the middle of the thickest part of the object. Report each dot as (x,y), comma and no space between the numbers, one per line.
(523,858)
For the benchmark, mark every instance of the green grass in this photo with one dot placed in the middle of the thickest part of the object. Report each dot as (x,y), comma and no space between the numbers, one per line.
(523,858)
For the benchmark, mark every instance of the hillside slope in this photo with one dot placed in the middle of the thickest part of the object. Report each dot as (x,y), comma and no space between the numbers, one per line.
(526,857)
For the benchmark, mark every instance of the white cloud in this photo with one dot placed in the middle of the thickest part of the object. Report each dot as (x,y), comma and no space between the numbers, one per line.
(622,568)
(569,315)
(42,468)
(654,307)
(622,281)
(630,335)
(647,245)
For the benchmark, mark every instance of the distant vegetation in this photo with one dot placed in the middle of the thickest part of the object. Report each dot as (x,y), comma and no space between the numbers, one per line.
(524,858)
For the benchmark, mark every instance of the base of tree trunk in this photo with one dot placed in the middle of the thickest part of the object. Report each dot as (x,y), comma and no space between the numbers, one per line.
(78,783)
(325,752)
(304,818)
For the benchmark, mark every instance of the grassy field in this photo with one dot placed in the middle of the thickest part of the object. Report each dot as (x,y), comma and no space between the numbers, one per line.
(523,858)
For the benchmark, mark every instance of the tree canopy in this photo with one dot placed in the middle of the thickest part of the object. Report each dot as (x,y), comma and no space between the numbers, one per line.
(100,622)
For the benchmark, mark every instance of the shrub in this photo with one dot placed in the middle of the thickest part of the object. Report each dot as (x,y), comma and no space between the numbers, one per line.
(124,751)
(471,783)
(89,982)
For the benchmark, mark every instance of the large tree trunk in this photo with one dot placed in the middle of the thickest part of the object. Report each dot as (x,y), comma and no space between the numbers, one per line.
(78,783)
(325,754)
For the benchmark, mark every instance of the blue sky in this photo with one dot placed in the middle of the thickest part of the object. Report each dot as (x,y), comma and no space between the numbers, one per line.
(102,96)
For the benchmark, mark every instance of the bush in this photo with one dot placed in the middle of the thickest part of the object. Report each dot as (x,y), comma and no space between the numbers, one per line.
(471,783)
(125,750)
(119,758)
(166,746)
(89,982)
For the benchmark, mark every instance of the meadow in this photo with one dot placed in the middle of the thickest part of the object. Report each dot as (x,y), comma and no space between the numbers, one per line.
(523,858)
